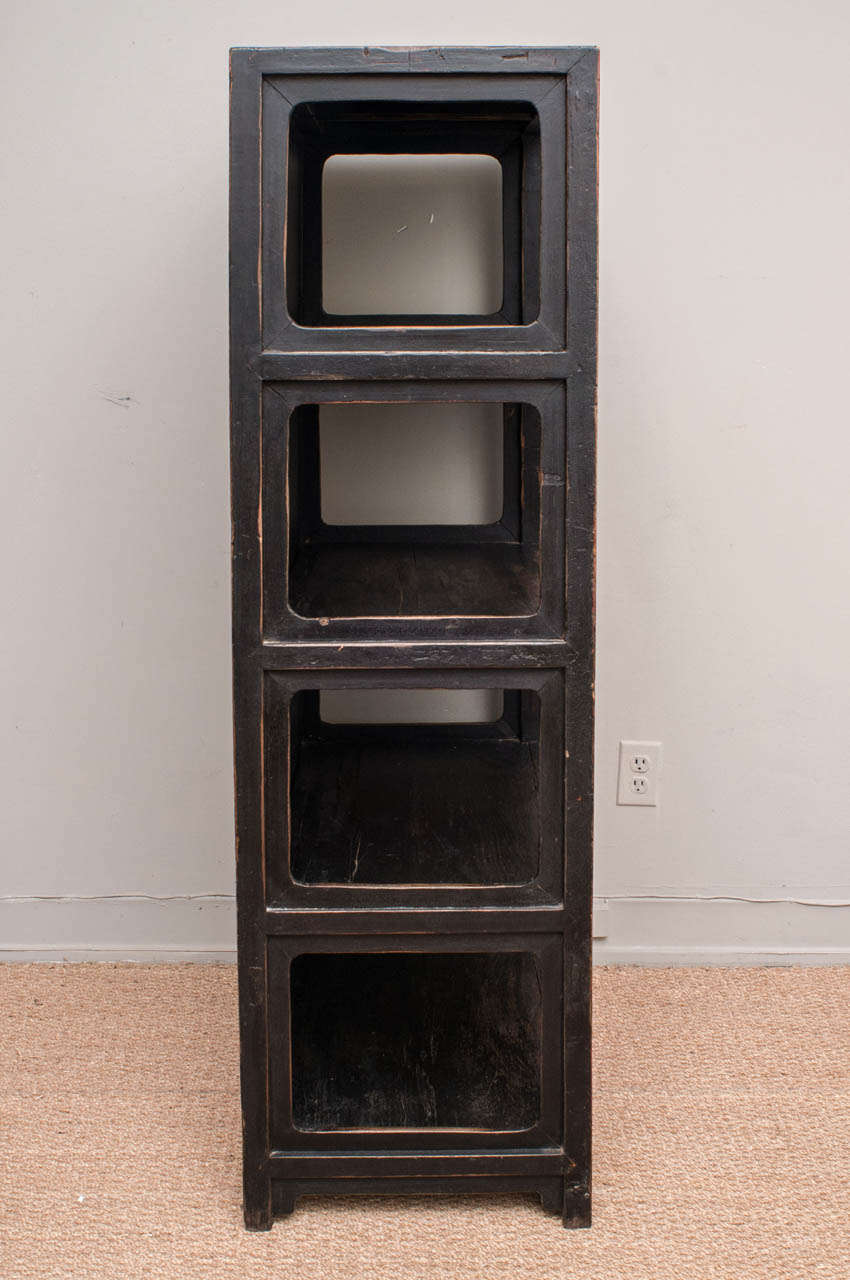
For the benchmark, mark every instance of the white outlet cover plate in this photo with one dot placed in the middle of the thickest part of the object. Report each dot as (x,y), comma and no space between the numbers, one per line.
(625,773)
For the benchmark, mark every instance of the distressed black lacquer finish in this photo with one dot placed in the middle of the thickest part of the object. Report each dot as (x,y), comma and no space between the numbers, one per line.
(414,900)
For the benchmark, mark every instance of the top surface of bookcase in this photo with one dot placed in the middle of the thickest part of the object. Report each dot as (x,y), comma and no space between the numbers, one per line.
(443,59)
(533,110)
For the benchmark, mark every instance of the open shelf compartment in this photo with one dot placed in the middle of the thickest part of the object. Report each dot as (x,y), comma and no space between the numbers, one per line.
(418,804)
(403,570)
(466,197)
(391,1042)
(362,530)
(402,804)
(415,1041)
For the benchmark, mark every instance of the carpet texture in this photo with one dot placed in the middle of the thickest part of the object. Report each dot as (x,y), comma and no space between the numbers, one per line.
(722,1140)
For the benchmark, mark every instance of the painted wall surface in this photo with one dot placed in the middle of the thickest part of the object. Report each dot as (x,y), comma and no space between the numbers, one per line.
(724,521)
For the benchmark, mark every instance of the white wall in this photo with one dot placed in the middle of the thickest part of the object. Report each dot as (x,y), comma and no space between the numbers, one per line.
(724,534)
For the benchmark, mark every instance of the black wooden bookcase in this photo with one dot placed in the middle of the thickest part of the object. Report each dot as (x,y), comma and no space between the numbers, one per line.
(414,901)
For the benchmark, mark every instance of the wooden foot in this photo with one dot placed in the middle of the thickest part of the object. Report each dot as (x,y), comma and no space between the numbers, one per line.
(257,1204)
(576,1206)
(284,1196)
(257,1219)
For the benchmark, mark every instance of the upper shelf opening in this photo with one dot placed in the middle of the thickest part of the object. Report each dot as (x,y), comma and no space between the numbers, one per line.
(413,213)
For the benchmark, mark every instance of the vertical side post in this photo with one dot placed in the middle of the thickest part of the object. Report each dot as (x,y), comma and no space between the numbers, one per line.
(245,439)
(582,95)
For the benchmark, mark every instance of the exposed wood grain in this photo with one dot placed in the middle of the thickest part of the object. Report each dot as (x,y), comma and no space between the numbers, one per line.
(467,815)
(389,654)
(509,60)
(421,812)
(417,997)
(385,580)
(415,1041)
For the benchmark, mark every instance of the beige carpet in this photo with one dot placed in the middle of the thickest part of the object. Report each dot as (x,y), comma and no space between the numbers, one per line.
(722,1140)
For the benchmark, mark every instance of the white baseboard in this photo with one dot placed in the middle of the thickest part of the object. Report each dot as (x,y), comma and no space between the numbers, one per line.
(706,957)
(114,955)
(719,930)
(132,927)
(640,930)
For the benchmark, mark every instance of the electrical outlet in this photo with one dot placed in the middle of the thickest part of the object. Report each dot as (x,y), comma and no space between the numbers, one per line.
(637,780)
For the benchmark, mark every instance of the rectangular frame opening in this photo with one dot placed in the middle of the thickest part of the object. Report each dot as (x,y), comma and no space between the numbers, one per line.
(416,1040)
(393,802)
(375,569)
(482,293)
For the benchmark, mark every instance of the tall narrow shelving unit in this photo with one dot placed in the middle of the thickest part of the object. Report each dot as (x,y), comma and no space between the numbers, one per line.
(414,899)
